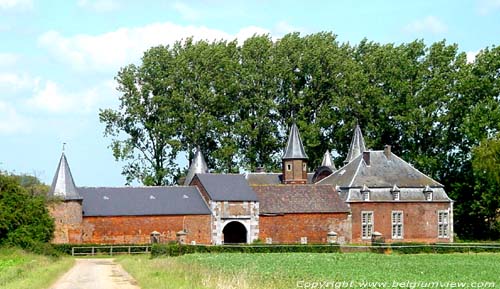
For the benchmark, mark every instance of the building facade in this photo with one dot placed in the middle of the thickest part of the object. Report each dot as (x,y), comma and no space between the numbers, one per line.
(374,193)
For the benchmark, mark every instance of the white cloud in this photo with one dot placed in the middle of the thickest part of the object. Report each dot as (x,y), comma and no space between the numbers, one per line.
(186,12)
(10,120)
(284,27)
(14,81)
(51,97)
(488,6)
(99,5)
(8,59)
(109,51)
(471,56)
(15,4)
(428,24)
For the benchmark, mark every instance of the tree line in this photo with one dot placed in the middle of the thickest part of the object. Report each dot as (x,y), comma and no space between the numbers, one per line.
(437,110)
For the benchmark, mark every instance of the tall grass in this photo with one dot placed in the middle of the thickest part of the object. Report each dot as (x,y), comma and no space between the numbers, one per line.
(21,270)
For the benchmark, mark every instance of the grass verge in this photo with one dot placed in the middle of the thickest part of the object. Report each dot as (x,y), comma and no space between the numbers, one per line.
(19,269)
(295,270)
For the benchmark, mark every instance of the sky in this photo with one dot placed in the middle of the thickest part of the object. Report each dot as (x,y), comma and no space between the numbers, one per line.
(58,59)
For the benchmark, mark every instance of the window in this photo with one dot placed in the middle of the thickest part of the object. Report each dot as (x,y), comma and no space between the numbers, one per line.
(366,225)
(304,167)
(428,196)
(288,167)
(397,224)
(443,228)
(365,195)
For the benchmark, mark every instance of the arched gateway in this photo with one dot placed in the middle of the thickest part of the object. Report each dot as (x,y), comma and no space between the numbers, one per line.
(234,232)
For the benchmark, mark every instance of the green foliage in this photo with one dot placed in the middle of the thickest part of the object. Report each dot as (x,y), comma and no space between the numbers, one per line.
(24,218)
(238,101)
(419,248)
(178,250)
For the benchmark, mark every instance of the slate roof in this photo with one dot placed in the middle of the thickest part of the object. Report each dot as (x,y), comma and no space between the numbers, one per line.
(142,201)
(283,199)
(63,184)
(383,172)
(269,178)
(294,148)
(227,187)
(357,146)
(405,195)
(198,166)
(327,161)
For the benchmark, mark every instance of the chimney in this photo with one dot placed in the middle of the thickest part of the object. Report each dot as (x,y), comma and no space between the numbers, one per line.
(366,157)
(260,170)
(387,151)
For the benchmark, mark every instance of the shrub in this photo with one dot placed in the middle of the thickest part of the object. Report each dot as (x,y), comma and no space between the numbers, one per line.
(178,250)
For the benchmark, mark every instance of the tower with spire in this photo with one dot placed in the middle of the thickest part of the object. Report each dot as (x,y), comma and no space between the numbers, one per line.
(68,213)
(198,166)
(357,146)
(294,161)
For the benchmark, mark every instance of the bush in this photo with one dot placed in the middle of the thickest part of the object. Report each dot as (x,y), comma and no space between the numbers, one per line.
(98,248)
(178,250)
(24,218)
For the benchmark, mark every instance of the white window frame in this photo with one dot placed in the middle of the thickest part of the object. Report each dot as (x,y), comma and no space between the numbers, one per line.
(397,225)
(443,224)
(428,196)
(367,223)
(288,167)
(365,195)
(396,195)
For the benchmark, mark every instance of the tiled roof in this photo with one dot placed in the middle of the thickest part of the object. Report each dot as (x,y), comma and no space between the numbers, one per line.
(294,148)
(63,184)
(142,201)
(382,172)
(282,199)
(270,178)
(227,187)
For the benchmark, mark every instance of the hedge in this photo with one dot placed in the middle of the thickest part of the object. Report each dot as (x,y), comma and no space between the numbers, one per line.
(178,250)
(440,248)
(98,248)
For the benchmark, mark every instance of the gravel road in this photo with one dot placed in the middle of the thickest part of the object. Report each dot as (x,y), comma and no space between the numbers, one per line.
(96,274)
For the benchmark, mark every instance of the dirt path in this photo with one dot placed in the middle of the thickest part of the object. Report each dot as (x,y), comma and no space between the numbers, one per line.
(96,274)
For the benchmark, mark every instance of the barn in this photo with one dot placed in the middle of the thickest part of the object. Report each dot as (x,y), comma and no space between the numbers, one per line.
(375,193)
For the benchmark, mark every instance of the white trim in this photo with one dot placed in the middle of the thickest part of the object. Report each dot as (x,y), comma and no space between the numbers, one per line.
(372,223)
(400,223)
(445,223)
(356,172)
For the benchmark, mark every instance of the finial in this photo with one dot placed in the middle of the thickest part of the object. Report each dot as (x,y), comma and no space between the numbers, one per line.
(63,146)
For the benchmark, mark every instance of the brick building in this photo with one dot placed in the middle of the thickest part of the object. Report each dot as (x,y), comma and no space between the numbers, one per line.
(375,192)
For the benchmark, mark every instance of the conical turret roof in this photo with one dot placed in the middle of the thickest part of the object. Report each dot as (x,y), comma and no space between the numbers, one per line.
(357,145)
(198,166)
(327,160)
(63,185)
(294,148)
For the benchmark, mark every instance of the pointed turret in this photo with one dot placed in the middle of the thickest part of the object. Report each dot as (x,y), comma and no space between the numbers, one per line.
(327,161)
(198,166)
(357,145)
(294,160)
(63,185)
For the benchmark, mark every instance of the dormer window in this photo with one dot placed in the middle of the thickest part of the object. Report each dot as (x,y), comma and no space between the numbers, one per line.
(396,193)
(428,193)
(365,193)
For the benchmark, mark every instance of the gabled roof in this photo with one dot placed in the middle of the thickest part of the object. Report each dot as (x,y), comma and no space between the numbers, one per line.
(63,184)
(227,187)
(198,166)
(327,161)
(294,148)
(142,201)
(283,199)
(357,146)
(383,171)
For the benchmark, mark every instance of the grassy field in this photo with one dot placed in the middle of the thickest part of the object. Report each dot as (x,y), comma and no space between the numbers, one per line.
(19,270)
(302,270)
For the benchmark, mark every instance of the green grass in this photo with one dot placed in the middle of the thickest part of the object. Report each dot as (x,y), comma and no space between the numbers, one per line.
(286,270)
(19,269)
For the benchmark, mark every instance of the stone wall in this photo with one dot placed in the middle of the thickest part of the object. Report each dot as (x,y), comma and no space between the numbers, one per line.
(68,221)
(137,229)
(291,228)
(247,213)
(420,220)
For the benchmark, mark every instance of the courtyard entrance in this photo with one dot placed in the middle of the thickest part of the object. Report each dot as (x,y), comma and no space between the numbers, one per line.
(234,233)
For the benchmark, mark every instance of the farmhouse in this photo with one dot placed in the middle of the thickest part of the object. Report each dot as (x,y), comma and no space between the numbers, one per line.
(375,193)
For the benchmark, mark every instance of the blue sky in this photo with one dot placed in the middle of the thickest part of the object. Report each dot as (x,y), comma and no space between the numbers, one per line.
(58,59)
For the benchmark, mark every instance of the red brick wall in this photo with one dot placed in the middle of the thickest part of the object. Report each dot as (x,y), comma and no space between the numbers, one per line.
(297,175)
(420,220)
(137,229)
(289,228)
(196,182)
(68,221)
